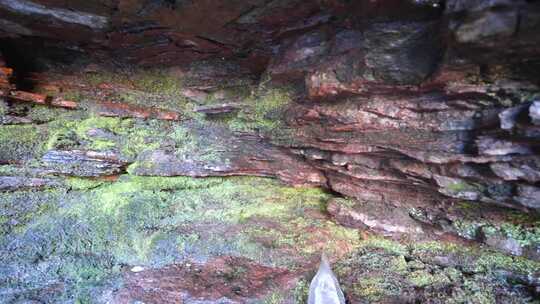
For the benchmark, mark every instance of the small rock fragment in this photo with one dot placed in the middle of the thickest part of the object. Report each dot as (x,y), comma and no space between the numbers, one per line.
(534,112)
(137,269)
(494,146)
(509,116)
(529,196)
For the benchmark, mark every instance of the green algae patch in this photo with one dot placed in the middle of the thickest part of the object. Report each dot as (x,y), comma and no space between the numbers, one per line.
(197,143)
(511,232)
(20,207)
(3,108)
(263,111)
(92,229)
(158,82)
(40,113)
(18,143)
(129,137)
(382,271)
(144,87)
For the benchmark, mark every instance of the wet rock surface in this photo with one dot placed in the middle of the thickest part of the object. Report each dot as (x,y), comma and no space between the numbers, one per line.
(209,151)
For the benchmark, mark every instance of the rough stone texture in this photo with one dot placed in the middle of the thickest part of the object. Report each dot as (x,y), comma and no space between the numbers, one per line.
(210,281)
(82,163)
(229,154)
(115,116)
(389,220)
(12,183)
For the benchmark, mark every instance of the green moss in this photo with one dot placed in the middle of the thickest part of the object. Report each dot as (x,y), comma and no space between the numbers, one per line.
(128,136)
(481,260)
(263,111)
(105,76)
(97,122)
(301,292)
(374,289)
(191,144)
(154,221)
(20,207)
(154,88)
(275,297)
(461,187)
(435,271)
(19,143)
(140,136)
(73,95)
(158,82)
(524,235)
(467,229)
(11,170)
(422,278)
(3,108)
(385,244)
(61,135)
(493,261)
(39,113)
(522,229)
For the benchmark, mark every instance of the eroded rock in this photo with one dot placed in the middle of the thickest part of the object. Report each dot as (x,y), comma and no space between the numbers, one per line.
(83,163)
(224,280)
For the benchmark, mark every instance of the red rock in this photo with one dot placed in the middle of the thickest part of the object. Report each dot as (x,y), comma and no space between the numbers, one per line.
(28,97)
(238,280)
(234,156)
(167,115)
(61,103)
(5,72)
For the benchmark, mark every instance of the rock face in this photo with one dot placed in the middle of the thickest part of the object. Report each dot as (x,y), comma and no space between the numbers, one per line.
(124,126)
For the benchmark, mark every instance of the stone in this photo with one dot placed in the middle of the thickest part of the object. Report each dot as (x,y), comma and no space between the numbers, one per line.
(188,284)
(456,6)
(413,120)
(14,183)
(534,112)
(218,152)
(401,53)
(30,8)
(501,242)
(28,97)
(137,269)
(301,55)
(489,25)
(493,146)
(218,109)
(83,163)
(324,288)
(528,196)
(528,170)
(458,188)
(386,219)
(509,116)
(62,103)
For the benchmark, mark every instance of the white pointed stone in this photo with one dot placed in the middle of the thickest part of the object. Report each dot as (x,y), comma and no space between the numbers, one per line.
(324,288)
(137,269)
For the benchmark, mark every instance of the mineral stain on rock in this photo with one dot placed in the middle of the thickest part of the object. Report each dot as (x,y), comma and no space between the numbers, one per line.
(209,151)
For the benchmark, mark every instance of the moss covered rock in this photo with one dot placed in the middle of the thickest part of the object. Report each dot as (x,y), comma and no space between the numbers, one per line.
(74,242)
